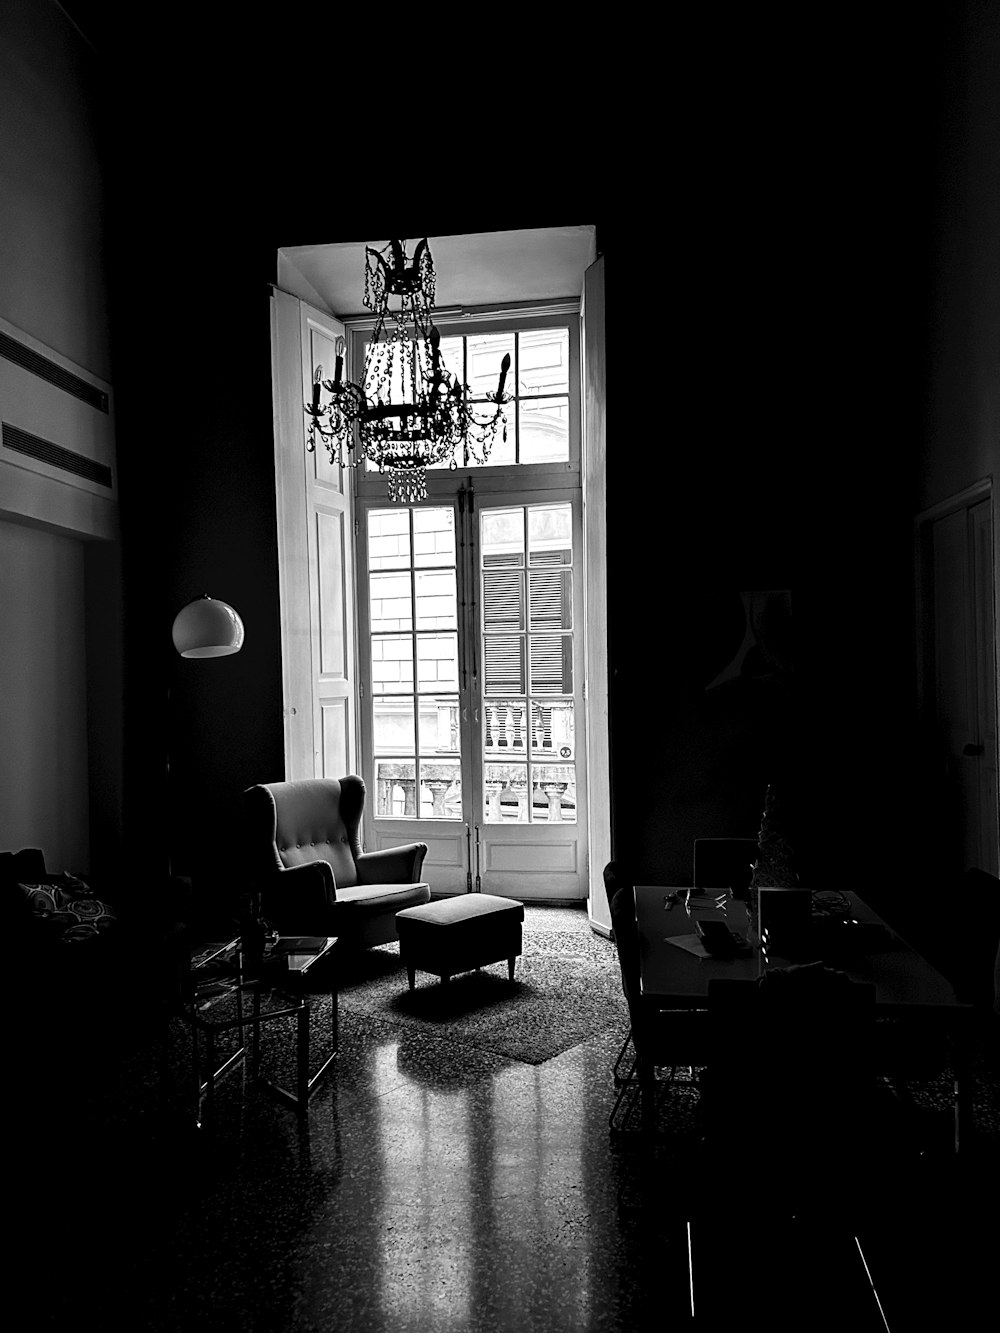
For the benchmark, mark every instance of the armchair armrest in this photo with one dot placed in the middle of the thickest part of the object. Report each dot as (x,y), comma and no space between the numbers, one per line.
(392,865)
(293,899)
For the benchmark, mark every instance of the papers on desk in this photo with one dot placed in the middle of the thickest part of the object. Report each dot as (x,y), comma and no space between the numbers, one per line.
(691,943)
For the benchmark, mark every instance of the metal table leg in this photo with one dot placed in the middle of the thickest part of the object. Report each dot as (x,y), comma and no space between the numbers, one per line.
(303,1057)
(961,1066)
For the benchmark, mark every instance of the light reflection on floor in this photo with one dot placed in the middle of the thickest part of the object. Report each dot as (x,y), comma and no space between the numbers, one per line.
(438,1187)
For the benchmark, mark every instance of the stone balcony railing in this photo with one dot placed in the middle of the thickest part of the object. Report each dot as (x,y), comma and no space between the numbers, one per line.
(506,728)
(507,800)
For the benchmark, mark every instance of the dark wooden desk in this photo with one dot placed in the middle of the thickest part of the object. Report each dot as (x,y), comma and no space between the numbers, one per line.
(906,985)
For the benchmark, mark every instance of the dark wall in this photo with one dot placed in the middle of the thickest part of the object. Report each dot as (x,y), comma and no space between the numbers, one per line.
(778,448)
(197,488)
(766,262)
(222,181)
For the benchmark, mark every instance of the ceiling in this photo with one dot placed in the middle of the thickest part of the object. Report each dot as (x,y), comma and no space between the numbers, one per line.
(479,269)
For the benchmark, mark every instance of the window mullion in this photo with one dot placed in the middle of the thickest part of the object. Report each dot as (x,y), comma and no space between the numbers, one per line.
(472,737)
(417,757)
(462,536)
(528,769)
(465,380)
(516,405)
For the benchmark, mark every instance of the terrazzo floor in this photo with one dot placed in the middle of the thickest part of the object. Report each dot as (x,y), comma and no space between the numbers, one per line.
(445,1188)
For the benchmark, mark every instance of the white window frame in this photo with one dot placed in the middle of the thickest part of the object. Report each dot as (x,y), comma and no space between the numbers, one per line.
(369,485)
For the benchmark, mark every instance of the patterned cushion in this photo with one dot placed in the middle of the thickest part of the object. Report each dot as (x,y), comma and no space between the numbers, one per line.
(65,909)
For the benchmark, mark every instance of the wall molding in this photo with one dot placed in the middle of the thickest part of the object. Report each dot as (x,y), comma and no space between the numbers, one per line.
(57,440)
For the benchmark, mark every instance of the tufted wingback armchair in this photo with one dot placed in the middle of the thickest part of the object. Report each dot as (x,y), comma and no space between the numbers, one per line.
(306,868)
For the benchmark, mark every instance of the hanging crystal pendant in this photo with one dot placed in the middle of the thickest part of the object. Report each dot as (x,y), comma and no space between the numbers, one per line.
(407,487)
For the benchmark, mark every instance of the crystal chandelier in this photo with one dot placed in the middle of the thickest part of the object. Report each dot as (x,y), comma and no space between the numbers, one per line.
(407,412)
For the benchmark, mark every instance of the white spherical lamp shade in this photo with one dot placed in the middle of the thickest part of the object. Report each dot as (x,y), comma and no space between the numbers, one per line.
(207,628)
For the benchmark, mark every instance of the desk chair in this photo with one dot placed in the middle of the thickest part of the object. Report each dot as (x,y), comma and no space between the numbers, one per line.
(660,1038)
(615,878)
(965,948)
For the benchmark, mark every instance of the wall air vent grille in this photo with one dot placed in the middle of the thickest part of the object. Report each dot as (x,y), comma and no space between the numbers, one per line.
(28,359)
(23,442)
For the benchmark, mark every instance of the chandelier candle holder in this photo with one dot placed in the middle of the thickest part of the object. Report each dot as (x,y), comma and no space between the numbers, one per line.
(408,412)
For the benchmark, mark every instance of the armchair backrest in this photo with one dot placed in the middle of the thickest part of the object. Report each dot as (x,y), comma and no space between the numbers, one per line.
(315,819)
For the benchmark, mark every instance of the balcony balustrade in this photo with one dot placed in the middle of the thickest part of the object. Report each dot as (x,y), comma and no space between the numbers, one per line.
(552,796)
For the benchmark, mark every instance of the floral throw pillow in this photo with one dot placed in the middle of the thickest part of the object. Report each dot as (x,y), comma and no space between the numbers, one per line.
(65,909)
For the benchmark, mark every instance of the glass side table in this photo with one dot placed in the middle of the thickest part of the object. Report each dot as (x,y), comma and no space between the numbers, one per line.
(282,973)
(231,993)
(213,991)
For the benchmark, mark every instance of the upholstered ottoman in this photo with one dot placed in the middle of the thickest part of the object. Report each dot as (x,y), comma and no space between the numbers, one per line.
(458,934)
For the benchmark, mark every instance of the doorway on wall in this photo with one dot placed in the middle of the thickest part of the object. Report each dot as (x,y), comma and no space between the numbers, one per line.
(958,676)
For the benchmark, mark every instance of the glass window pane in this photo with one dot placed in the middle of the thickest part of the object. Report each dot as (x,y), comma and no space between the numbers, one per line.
(552,729)
(452,356)
(394,729)
(392,664)
(543,431)
(543,361)
(506,728)
(438,726)
(441,789)
(503,599)
(437,662)
(503,664)
(436,598)
(389,604)
(396,788)
(553,794)
(502,534)
(433,537)
(486,351)
(550,534)
(551,663)
(505,793)
(389,539)
(551,598)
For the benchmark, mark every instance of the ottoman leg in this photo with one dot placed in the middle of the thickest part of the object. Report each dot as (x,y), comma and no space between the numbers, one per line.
(446,978)
(510,967)
(411,973)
